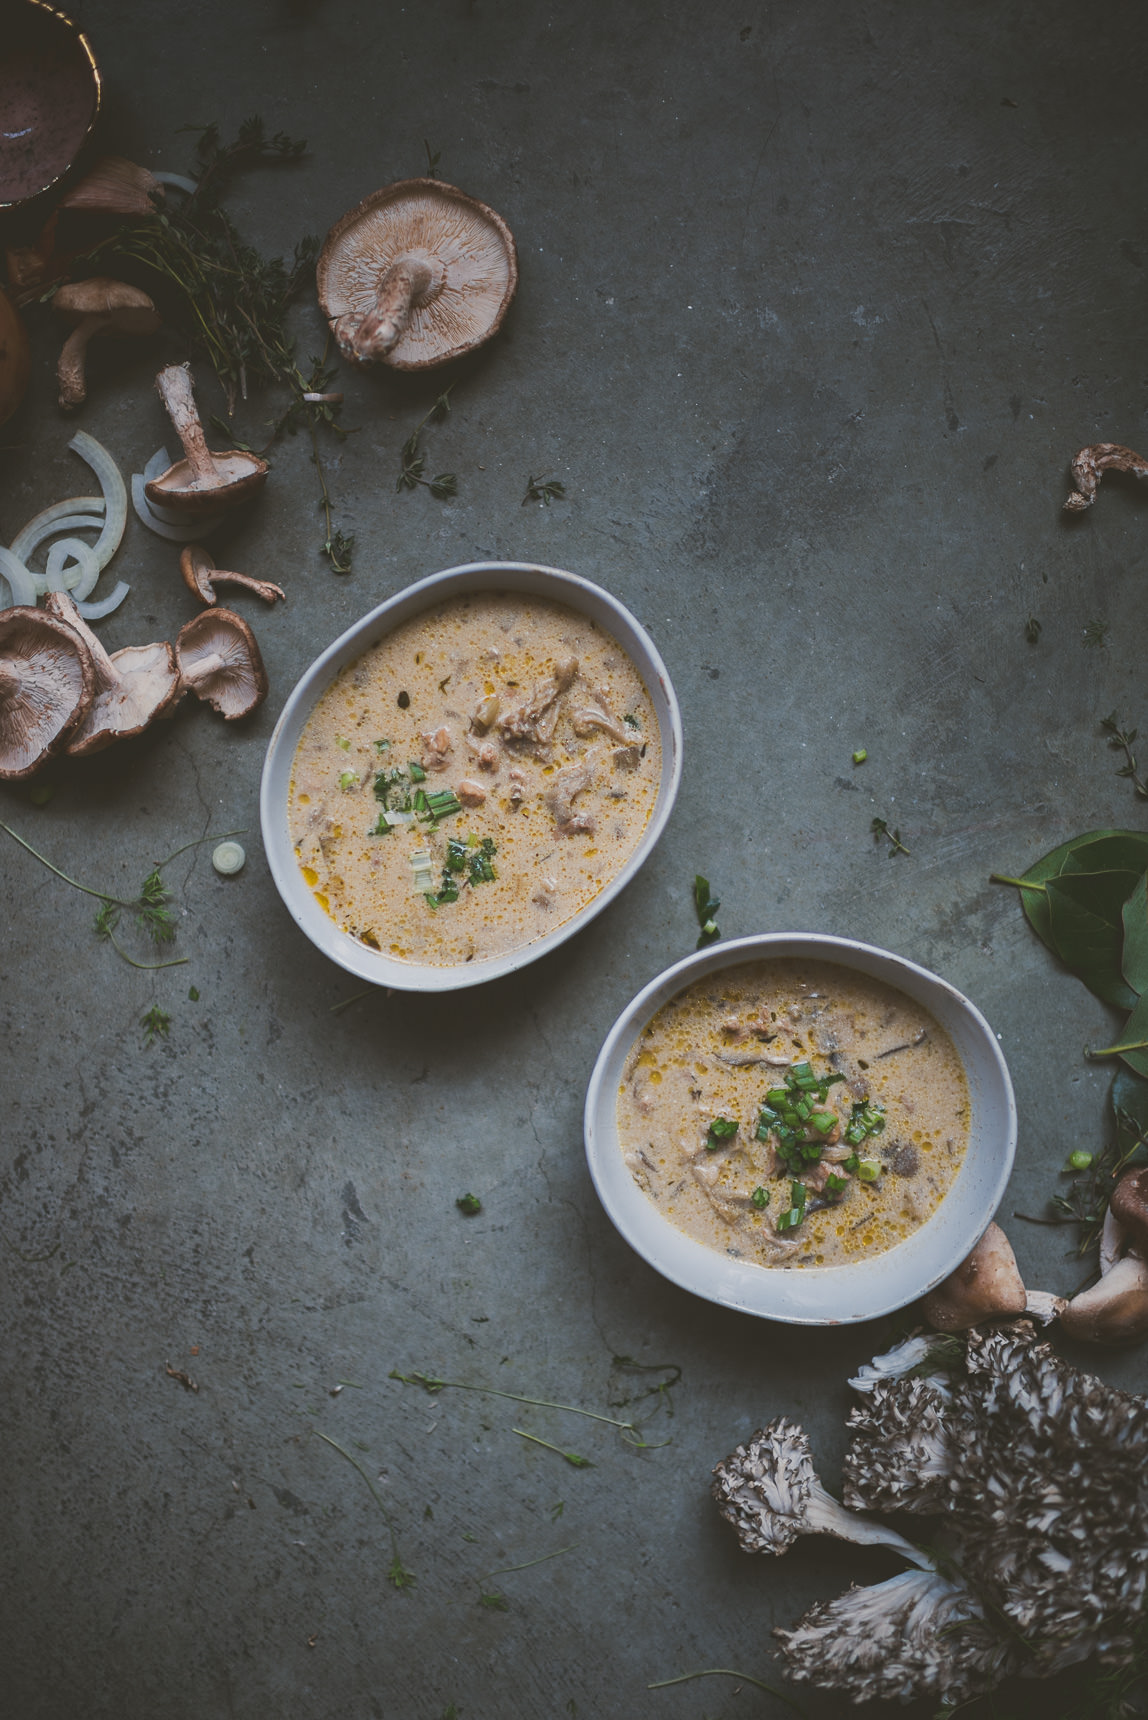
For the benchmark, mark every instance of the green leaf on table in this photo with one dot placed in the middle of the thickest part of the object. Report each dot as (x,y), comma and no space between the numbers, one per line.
(1034,901)
(1087,929)
(1135,1031)
(1129,1101)
(1134,959)
(1109,851)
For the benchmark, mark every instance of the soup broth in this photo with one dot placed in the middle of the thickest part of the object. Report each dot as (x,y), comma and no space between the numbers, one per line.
(794,1113)
(475,779)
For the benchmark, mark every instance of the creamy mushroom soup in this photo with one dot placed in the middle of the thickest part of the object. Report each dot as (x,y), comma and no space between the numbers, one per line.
(475,779)
(794,1113)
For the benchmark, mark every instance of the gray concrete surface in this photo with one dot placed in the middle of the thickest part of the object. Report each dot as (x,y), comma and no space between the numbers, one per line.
(816,302)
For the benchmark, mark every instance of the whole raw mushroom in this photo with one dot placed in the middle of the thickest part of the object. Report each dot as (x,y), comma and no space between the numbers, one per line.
(132,687)
(47,682)
(220,662)
(97,306)
(201,576)
(202,482)
(417,274)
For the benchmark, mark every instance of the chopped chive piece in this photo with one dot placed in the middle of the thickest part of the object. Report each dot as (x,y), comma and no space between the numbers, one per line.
(834,1187)
(791,1219)
(416,772)
(797,1194)
(823,1121)
(723,1127)
(777,1096)
(469,1205)
(456,855)
(347,777)
(382,746)
(860,756)
(868,1170)
(341,741)
(851,1163)
(760,1198)
(382,828)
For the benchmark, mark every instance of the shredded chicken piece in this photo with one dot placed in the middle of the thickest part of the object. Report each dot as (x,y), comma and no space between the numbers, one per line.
(437,747)
(536,719)
(598,715)
(484,753)
(572,780)
(470,793)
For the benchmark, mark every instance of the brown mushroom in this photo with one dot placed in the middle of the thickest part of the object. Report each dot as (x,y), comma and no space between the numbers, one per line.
(15,358)
(47,681)
(985,1286)
(114,186)
(202,482)
(417,274)
(1113,1311)
(96,306)
(220,662)
(132,687)
(1089,465)
(201,576)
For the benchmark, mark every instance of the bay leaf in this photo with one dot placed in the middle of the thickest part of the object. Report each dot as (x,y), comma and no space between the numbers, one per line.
(1087,929)
(1034,902)
(1134,957)
(1135,1029)
(1107,851)
(1129,1100)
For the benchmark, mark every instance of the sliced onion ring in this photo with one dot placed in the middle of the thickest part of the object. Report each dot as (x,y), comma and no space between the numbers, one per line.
(97,611)
(80,577)
(189,531)
(61,516)
(21,584)
(115,493)
(179,180)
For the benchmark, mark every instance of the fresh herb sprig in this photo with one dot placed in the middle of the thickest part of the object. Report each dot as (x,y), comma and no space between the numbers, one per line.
(1120,740)
(543,490)
(412,460)
(630,1430)
(156,1024)
(151,907)
(880,830)
(398,1575)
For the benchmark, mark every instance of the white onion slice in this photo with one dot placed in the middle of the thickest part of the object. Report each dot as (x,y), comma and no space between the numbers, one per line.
(80,576)
(60,516)
(189,531)
(179,180)
(21,584)
(97,611)
(115,493)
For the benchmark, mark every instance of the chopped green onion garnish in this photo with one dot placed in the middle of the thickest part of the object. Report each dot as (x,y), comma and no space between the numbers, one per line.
(1079,1161)
(456,855)
(416,771)
(347,777)
(860,756)
(823,1121)
(760,1198)
(834,1186)
(721,1129)
(868,1170)
(791,1219)
(341,742)
(382,746)
(382,828)
(797,1193)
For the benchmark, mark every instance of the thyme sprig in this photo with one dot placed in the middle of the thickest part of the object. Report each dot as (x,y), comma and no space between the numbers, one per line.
(412,460)
(880,829)
(630,1430)
(1120,740)
(543,490)
(397,1573)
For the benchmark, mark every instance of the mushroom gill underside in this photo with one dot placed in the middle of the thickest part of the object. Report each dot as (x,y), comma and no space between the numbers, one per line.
(1034,1476)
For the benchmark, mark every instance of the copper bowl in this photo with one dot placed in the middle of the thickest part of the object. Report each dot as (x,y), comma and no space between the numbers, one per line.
(49,96)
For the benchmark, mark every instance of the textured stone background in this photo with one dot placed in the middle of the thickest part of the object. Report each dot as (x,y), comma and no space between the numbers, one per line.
(816,302)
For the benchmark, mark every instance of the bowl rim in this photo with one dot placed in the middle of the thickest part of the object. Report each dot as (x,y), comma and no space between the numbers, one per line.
(870,1288)
(46,9)
(529,576)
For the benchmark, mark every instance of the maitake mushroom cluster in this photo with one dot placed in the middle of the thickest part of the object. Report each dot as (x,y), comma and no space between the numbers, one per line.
(1038,1474)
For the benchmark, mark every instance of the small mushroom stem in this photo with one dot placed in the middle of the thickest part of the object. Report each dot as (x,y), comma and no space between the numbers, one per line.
(174,385)
(63,607)
(203,669)
(408,282)
(71,365)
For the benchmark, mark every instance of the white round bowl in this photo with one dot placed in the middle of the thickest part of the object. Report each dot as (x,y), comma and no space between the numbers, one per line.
(550,582)
(808,1295)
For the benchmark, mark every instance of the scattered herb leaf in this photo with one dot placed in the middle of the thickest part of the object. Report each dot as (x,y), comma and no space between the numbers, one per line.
(1095,634)
(1032,630)
(412,461)
(1120,740)
(469,1205)
(543,490)
(572,1457)
(397,1573)
(705,907)
(880,830)
(156,1024)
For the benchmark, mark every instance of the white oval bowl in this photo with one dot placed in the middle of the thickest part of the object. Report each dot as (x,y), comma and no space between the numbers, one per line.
(814,1295)
(567,588)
